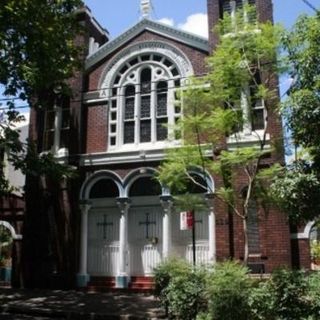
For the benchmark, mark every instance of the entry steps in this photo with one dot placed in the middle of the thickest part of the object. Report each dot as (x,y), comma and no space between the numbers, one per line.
(137,284)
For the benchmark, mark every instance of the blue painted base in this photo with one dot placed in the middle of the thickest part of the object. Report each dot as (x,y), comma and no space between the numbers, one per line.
(5,274)
(82,280)
(122,282)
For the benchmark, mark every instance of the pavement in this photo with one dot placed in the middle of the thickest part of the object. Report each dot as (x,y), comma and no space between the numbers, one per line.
(77,305)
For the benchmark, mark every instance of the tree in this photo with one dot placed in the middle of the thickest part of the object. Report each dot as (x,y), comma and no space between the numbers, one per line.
(39,53)
(223,107)
(296,189)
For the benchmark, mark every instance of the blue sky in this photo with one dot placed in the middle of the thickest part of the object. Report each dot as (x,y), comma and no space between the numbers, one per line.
(119,15)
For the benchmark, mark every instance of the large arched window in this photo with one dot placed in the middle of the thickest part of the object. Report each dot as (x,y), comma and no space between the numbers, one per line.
(142,105)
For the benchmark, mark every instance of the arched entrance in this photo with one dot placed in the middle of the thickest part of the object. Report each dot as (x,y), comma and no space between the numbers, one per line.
(145,226)
(103,228)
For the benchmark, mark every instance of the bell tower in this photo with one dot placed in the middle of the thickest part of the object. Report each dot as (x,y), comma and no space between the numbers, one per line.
(215,12)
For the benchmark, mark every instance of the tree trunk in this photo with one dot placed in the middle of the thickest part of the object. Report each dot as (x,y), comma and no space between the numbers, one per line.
(246,244)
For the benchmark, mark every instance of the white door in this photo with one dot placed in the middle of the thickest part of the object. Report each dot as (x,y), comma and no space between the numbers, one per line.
(145,239)
(103,241)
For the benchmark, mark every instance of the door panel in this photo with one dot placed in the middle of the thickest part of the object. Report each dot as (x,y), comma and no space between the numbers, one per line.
(103,241)
(145,239)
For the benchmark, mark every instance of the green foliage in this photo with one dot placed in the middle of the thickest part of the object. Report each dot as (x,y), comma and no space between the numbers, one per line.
(242,70)
(315,249)
(37,54)
(186,295)
(167,270)
(297,192)
(180,288)
(302,109)
(228,290)
(314,294)
(289,289)
(262,302)
(5,236)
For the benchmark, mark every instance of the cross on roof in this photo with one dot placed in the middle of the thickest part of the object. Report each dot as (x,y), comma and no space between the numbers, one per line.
(145,7)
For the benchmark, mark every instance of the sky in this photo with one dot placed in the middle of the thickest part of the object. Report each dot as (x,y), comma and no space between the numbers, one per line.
(119,15)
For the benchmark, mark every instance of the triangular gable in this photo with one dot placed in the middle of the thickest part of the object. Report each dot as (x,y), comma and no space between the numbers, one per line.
(156,27)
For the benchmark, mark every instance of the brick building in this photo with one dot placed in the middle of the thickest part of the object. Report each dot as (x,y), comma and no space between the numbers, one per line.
(113,132)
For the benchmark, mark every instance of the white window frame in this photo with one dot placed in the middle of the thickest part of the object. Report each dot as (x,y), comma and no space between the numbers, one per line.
(117,103)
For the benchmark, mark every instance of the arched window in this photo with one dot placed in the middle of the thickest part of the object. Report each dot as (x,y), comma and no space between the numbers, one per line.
(104,188)
(145,186)
(142,105)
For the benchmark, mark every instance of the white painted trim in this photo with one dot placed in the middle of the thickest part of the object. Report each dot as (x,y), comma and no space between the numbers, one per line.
(156,27)
(14,235)
(306,232)
(99,175)
(169,51)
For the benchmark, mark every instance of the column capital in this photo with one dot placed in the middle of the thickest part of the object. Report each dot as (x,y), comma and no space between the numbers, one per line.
(166,202)
(123,204)
(209,197)
(85,205)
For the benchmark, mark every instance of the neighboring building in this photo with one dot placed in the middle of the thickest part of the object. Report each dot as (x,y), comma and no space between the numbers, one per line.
(12,209)
(113,132)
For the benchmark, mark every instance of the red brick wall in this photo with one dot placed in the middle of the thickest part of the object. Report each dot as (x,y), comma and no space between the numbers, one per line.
(96,129)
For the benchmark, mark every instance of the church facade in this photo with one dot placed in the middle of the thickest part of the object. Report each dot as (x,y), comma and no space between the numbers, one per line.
(116,131)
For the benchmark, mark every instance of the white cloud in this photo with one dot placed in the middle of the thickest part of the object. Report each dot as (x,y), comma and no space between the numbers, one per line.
(167,21)
(196,23)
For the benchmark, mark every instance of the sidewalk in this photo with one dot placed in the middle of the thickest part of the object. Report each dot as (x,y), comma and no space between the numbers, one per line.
(78,305)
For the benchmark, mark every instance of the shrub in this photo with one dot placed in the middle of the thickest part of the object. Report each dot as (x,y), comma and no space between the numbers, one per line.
(228,290)
(186,295)
(314,294)
(290,289)
(180,288)
(262,302)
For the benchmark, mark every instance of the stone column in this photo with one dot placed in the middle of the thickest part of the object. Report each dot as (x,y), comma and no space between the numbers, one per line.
(57,129)
(122,277)
(212,228)
(82,276)
(166,202)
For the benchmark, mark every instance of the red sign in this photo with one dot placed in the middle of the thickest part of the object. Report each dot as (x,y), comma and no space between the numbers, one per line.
(186,220)
(190,219)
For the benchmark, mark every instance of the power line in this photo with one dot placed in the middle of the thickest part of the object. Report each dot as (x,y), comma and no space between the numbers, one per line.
(310,5)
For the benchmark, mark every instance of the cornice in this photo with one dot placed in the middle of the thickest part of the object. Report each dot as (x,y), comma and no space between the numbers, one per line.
(156,27)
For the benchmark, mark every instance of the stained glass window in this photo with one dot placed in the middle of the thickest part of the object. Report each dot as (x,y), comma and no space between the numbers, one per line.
(146,80)
(128,132)
(162,88)
(140,113)
(145,131)
(162,129)
(129,109)
(145,107)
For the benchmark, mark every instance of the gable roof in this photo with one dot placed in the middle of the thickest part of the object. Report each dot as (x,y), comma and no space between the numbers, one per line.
(156,27)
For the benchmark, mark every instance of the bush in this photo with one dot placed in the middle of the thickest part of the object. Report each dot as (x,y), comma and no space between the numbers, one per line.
(314,295)
(228,289)
(180,289)
(290,290)
(262,302)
